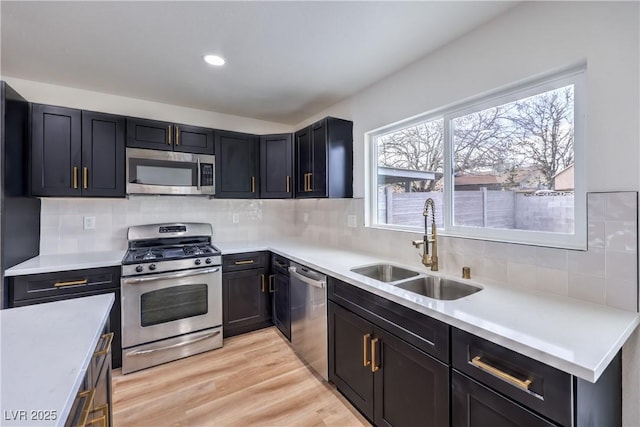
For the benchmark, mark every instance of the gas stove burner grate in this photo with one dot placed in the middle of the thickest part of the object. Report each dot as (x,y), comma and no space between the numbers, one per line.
(149,254)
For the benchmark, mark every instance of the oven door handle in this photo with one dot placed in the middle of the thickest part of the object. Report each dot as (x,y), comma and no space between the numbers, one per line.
(169,347)
(172,275)
(199,172)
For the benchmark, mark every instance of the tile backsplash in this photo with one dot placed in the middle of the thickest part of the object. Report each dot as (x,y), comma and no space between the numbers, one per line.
(607,273)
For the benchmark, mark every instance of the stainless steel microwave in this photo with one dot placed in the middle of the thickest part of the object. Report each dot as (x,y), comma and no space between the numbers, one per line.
(169,172)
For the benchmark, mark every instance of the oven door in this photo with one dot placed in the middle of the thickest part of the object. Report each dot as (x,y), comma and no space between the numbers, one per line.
(160,306)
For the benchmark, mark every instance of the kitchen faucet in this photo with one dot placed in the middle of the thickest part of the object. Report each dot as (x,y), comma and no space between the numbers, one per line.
(430,260)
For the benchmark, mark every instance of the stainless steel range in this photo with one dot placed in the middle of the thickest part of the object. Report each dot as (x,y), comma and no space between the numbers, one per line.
(171,294)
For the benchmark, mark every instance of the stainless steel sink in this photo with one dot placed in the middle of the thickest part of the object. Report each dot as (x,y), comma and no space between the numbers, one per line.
(438,288)
(385,272)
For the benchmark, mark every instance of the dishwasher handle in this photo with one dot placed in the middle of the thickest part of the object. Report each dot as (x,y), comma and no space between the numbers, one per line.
(308,280)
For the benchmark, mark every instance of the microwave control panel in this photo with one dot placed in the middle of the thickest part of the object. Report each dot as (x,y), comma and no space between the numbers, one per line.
(206,174)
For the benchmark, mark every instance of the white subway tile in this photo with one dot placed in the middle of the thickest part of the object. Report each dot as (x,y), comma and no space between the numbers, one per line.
(596,206)
(622,206)
(552,280)
(551,258)
(590,262)
(587,288)
(621,236)
(595,234)
(619,292)
(621,265)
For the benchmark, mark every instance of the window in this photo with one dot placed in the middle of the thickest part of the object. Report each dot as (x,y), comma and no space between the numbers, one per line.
(504,167)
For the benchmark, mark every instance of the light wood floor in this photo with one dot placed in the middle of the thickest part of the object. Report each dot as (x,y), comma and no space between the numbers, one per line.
(255,379)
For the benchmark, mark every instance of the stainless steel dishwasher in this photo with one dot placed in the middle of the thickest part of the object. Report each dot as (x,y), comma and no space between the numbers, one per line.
(309,317)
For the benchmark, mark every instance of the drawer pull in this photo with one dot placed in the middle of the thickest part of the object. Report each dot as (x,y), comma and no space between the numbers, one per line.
(262,283)
(106,339)
(88,395)
(103,420)
(374,363)
(281,264)
(71,283)
(272,288)
(365,346)
(249,261)
(523,384)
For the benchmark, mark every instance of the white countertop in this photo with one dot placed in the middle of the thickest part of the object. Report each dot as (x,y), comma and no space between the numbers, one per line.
(574,336)
(64,262)
(45,353)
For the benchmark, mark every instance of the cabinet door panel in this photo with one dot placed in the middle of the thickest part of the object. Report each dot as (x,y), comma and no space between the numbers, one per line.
(103,155)
(245,304)
(303,152)
(349,348)
(282,304)
(276,164)
(56,148)
(411,387)
(154,134)
(319,160)
(193,139)
(477,406)
(236,165)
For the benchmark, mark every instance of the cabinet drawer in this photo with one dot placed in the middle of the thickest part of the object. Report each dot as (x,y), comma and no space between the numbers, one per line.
(64,283)
(427,334)
(534,384)
(244,261)
(279,264)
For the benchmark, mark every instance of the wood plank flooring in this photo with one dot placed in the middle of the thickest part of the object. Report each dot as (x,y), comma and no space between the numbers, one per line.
(255,379)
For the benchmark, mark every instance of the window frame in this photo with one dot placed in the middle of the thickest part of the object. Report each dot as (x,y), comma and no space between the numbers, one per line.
(576,76)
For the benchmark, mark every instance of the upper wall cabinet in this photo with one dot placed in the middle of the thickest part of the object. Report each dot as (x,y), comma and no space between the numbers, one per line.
(276,166)
(157,135)
(76,153)
(324,159)
(236,165)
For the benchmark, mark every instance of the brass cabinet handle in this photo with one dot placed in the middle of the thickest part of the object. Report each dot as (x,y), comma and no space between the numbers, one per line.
(103,421)
(169,136)
(253,184)
(523,384)
(88,404)
(271,286)
(106,339)
(85,177)
(365,346)
(177,135)
(71,283)
(306,180)
(310,181)
(374,363)
(262,278)
(248,261)
(75,177)
(288,183)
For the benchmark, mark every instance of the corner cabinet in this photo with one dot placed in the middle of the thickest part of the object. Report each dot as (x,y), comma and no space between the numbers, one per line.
(276,166)
(392,376)
(246,297)
(76,153)
(236,165)
(324,159)
(167,136)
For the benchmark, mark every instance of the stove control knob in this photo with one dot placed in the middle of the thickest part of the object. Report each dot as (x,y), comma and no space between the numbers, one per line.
(139,269)
(208,260)
(198,262)
(152,267)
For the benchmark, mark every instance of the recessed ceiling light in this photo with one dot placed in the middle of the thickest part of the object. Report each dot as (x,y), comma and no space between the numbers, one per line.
(214,60)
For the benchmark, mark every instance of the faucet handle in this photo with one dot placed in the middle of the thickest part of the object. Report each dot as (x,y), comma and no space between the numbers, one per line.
(417,243)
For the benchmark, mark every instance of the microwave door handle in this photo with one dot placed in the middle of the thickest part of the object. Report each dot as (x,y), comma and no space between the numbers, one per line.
(153,278)
(199,174)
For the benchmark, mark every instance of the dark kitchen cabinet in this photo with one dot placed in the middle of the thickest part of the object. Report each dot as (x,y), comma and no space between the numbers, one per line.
(237,165)
(245,293)
(388,360)
(324,159)
(167,136)
(391,382)
(48,287)
(492,385)
(279,287)
(76,153)
(276,166)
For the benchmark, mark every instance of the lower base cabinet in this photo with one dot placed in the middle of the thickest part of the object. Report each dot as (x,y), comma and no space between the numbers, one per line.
(93,404)
(391,382)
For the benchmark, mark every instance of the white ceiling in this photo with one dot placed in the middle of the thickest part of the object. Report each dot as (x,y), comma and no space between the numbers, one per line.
(285,60)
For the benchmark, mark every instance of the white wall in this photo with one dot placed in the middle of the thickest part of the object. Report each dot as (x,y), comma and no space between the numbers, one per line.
(88,100)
